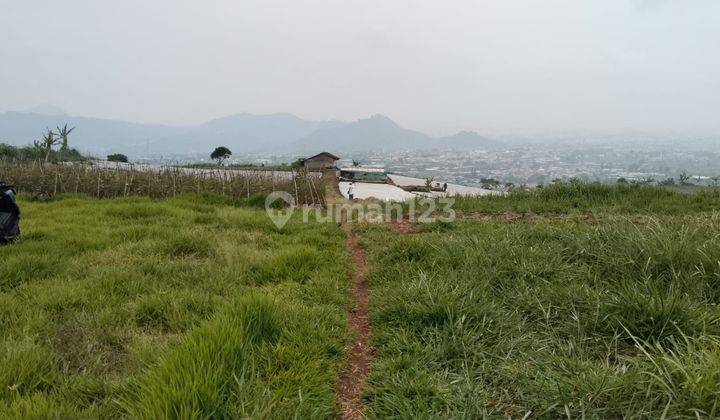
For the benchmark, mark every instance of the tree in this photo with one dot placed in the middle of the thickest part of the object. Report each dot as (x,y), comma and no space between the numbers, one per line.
(356,163)
(715,180)
(64,133)
(622,180)
(428,183)
(684,178)
(117,157)
(47,143)
(220,154)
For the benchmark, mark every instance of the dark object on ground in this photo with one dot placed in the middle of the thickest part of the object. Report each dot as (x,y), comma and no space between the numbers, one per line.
(117,157)
(9,215)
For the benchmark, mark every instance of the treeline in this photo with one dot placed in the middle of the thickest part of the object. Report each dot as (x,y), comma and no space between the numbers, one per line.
(54,147)
(33,153)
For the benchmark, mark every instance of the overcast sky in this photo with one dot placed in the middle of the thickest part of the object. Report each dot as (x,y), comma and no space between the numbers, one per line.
(495,66)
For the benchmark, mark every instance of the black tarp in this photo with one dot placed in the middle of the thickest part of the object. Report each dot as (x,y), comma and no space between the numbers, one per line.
(9,215)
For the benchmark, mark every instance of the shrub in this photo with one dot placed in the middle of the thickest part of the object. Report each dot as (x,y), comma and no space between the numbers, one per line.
(117,157)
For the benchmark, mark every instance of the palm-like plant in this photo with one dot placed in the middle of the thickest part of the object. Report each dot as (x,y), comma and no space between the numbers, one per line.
(429,182)
(684,178)
(64,133)
(47,143)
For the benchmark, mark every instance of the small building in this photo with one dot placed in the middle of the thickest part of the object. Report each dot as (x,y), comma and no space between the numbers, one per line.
(322,160)
(363,174)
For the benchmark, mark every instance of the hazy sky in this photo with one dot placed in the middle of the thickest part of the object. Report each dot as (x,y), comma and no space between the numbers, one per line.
(500,66)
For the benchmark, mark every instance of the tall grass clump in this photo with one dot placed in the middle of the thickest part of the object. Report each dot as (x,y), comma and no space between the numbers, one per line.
(683,374)
(594,197)
(214,369)
(660,275)
(609,319)
(258,357)
(296,263)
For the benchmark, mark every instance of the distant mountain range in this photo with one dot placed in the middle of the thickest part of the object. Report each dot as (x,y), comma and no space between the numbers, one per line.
(274,133)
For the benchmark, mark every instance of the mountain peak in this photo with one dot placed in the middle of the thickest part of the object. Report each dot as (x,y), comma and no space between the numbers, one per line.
(378,120)
(379,117)
(464,134)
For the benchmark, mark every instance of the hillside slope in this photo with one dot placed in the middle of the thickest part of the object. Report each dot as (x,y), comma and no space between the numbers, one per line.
(94,135)
(244,133)
(375,133)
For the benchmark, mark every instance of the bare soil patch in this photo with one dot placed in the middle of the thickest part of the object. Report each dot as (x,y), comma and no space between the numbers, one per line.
(404,227)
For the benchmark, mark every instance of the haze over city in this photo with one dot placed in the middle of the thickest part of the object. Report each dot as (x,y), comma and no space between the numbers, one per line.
(495,67)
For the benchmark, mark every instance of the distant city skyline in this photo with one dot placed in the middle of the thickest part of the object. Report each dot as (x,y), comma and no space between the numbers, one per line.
(511,67)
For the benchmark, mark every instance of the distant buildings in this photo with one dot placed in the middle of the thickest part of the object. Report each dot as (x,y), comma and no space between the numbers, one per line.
(364,174)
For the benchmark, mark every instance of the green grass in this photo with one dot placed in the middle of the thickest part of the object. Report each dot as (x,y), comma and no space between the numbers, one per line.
(198,306)
(559,319)
(189,307)
(580,197)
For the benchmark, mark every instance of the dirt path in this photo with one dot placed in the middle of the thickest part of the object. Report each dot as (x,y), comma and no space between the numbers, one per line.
(351,382)
(332,191)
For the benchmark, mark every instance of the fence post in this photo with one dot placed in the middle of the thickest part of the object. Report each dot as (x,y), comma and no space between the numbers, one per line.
(294,177)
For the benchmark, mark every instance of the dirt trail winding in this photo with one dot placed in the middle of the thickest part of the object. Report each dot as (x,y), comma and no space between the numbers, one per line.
(351,382)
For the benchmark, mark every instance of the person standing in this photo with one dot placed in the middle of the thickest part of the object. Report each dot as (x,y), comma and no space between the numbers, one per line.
(9,215)
(351,190)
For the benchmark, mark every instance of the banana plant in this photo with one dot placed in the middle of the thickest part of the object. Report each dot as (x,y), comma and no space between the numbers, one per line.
(49,140)
(64,133)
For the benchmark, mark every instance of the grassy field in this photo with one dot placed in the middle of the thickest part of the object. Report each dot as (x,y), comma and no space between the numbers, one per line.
(579,197)
(557,317)
(187,307)
(197,306)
